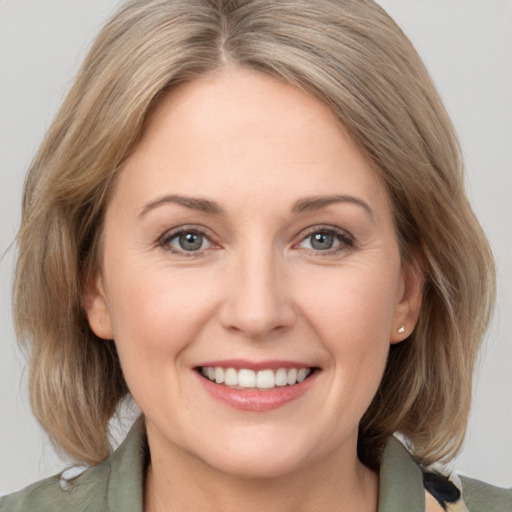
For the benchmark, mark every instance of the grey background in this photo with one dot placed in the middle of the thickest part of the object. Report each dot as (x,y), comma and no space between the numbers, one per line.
(467,45)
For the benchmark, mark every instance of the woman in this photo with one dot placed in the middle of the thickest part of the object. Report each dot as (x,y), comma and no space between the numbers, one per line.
(250,217)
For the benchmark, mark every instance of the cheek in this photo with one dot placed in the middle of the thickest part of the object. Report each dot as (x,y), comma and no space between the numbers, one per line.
(352,312)
(156,317)
(353,303)
(156,313)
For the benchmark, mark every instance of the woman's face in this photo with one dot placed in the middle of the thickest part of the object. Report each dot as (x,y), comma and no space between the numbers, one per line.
(248,239)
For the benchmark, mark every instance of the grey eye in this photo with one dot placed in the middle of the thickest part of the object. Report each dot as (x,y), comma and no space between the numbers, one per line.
(186,241)
(322,241)
(190,241)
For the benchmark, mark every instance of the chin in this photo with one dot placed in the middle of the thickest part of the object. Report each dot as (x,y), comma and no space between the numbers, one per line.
(263,466)
(259,456)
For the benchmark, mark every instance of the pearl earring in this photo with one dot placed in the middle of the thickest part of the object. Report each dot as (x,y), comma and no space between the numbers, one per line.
(401,330)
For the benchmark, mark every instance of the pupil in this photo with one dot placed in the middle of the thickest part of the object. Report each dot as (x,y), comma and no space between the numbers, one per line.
(322,241)
(191,241)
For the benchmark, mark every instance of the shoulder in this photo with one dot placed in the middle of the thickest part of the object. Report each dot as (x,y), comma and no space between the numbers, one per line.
(113,485)
(405,485)
(462,494)
(57,494)
(483,497)
(38,496)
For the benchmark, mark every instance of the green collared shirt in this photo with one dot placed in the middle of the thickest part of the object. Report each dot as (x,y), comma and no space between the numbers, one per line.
(116,485)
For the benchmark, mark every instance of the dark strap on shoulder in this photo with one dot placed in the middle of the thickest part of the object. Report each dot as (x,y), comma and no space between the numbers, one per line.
(444,491)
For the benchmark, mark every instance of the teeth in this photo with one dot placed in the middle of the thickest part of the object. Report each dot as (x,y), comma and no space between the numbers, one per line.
(291,377)
(281,377)
(262,379)
(231,377)
(219,375)
(246,379)
(301,375)
(265,379)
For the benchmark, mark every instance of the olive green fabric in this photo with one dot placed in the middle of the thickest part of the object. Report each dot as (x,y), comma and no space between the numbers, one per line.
(480,496)
(401,481)
(116,485)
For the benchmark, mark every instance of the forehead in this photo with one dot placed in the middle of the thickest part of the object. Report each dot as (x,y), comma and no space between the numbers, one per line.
(250,131)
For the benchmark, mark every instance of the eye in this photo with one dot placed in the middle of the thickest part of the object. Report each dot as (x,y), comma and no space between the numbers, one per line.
(185,241)
(326,240)
(322,241)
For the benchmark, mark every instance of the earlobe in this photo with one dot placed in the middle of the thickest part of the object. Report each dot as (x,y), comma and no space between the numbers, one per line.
(96,307)
(408,306)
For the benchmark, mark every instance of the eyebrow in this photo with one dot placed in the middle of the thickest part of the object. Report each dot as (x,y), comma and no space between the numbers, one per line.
(305,204)
(312,203)
(194,203)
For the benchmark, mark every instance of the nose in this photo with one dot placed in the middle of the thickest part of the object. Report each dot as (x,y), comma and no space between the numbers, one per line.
(257,301)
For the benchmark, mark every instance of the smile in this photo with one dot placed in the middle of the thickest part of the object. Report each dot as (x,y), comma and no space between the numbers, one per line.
(264,379)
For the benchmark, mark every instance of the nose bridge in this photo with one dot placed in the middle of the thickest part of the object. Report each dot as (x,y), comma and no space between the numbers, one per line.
(257,303)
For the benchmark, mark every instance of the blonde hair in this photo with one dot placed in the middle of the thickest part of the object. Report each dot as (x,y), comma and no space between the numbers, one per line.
(348,54)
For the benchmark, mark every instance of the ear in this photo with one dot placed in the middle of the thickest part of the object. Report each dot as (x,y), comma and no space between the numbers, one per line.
(407,309)
(96,307)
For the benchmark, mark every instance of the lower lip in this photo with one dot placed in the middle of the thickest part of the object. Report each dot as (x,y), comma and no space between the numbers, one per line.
(254,400)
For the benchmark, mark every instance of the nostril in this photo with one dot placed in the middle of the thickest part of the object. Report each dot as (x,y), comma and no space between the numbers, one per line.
(257,322)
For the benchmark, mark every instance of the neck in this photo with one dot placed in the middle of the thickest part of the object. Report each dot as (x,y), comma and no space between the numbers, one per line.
(180,482)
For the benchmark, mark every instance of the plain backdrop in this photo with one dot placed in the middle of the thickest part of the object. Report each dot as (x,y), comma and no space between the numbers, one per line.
(466,44)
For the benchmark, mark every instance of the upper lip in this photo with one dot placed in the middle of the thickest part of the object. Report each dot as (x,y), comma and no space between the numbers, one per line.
(239,364)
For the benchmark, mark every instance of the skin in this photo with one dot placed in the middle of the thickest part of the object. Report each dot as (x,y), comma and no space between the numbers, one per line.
(256,290)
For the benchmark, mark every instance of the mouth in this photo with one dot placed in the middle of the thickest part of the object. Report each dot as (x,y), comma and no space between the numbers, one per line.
(264,379)
(256,386)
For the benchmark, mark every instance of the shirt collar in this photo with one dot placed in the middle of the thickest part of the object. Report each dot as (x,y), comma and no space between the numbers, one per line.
(400,489)
(401,480)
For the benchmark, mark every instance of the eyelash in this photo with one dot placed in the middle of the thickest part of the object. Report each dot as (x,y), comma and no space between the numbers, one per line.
(165,240)
(346,241)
